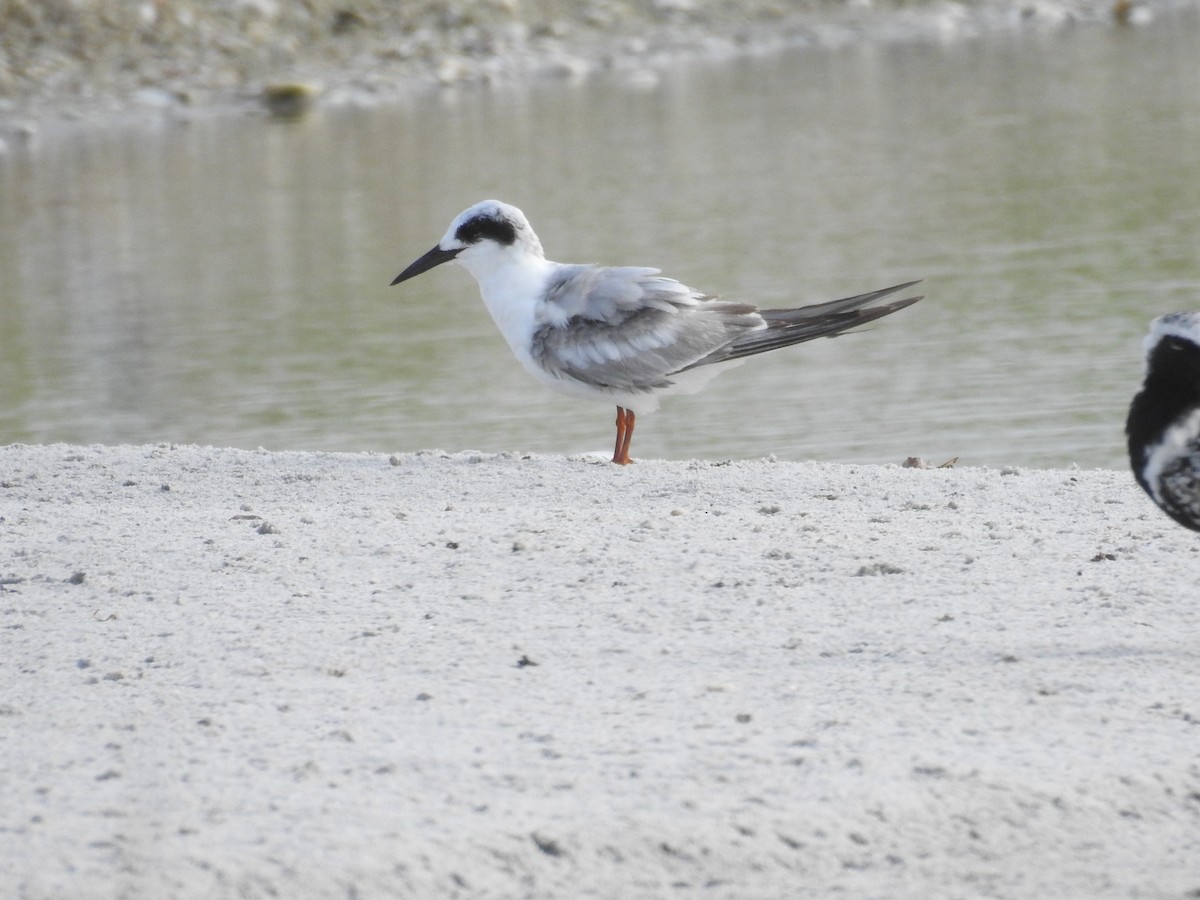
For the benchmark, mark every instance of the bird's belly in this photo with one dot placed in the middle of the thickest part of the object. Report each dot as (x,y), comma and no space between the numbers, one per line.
(641,402)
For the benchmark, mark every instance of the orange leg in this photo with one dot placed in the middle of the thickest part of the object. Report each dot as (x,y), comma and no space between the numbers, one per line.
(625,420)
(620,435)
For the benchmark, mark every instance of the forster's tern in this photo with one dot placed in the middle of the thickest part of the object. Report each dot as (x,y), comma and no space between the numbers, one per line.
(1164,419)
(622,334)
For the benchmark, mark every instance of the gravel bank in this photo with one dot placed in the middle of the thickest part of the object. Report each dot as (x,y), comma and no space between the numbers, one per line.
(94,57)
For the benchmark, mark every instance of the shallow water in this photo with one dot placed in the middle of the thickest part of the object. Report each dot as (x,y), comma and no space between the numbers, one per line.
(224,281)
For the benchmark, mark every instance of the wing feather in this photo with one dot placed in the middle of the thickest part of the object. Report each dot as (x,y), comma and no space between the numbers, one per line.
(805,323)
(630,329)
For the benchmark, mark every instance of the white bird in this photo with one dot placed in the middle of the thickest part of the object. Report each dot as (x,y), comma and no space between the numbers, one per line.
(623,334)
(1163,426)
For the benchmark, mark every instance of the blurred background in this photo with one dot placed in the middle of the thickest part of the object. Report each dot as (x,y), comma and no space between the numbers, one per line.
(222,278)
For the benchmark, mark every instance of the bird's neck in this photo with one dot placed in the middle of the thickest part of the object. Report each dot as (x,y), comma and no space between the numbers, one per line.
(511,292)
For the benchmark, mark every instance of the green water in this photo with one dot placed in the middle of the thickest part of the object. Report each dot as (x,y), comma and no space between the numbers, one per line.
(224,280)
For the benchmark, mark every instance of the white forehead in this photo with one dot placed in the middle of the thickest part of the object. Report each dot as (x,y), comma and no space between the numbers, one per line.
(1184,325)
(491,209)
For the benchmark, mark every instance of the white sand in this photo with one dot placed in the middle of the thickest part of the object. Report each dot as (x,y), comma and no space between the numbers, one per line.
(237,674)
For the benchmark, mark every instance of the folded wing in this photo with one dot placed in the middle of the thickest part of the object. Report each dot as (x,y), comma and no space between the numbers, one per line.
(630,329)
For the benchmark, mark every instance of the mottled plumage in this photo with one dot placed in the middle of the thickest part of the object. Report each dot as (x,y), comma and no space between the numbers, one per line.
(1163,427)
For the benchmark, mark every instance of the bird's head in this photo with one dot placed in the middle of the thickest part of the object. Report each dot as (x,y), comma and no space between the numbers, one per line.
(1171,335)
(480,239)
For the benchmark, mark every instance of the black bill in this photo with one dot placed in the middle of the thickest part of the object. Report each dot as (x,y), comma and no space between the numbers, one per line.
(434,257)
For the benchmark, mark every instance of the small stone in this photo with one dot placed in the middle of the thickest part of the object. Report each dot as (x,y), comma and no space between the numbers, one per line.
(879,568)
(289,100)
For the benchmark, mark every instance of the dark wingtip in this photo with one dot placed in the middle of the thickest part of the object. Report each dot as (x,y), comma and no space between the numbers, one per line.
(863,302)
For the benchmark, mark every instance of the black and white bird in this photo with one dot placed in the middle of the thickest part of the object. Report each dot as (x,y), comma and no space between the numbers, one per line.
(624,334)
(1163,427)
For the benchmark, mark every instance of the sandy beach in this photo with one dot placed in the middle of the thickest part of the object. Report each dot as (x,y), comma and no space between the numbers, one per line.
(252,674)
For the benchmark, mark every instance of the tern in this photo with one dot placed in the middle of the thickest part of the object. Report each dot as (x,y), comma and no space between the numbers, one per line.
(1163,426)
(624,334)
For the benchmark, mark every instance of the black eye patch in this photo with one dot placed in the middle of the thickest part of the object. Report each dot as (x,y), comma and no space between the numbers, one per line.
(479,228)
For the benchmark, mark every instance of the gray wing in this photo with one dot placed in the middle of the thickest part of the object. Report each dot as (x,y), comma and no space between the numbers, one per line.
(629,329)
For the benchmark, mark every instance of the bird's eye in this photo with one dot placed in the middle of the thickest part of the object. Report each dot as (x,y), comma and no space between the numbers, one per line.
(469,232)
